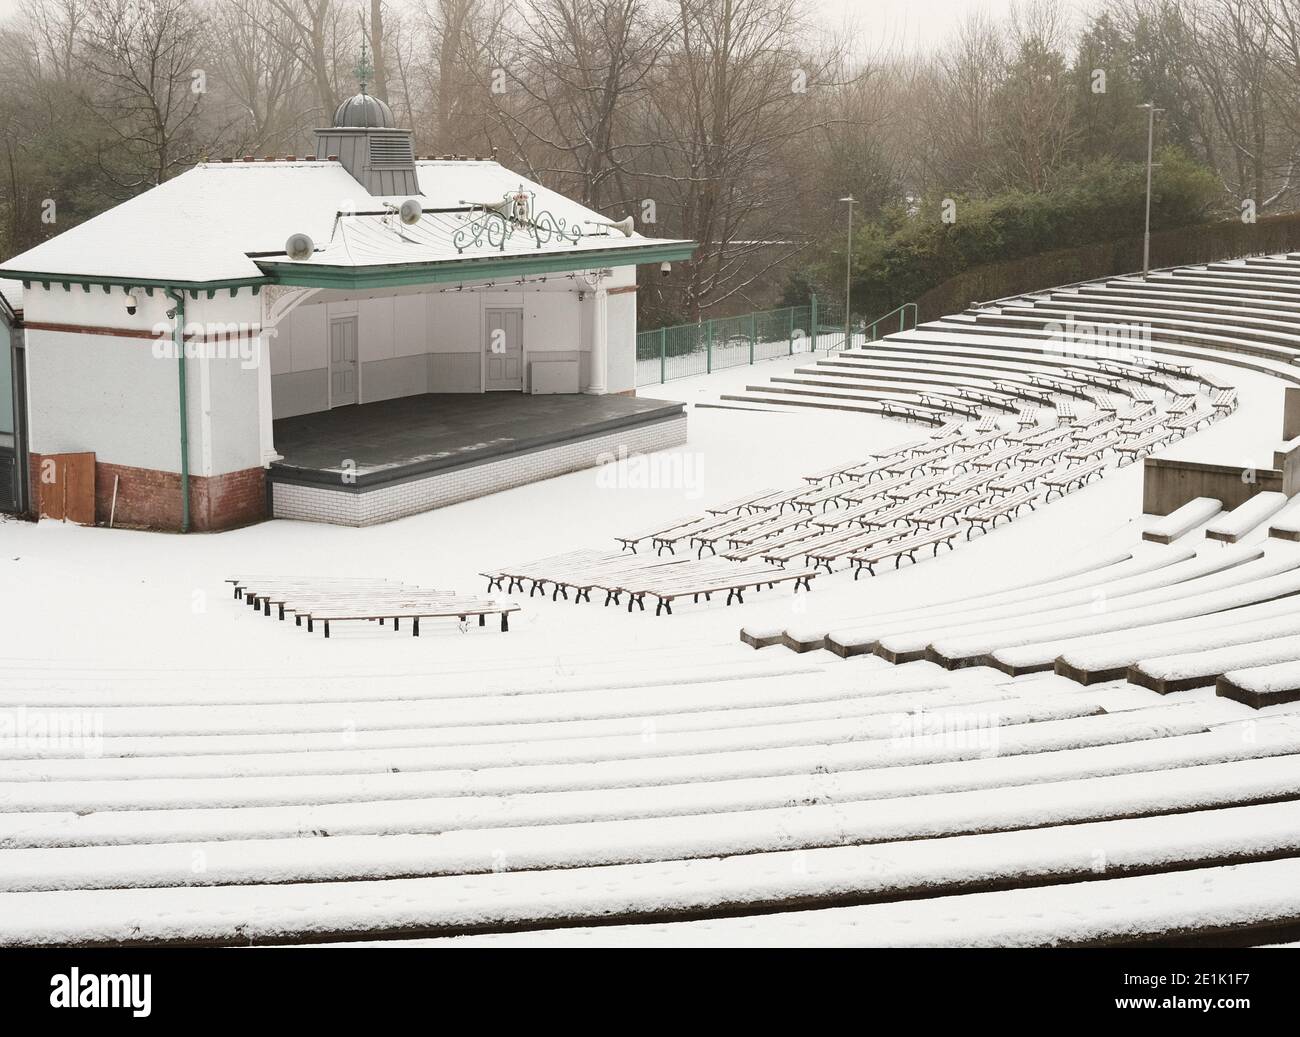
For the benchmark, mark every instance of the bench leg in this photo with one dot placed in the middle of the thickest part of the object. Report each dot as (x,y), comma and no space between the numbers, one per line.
(482,619)
(397,623)
(309,624)
(297,621)
(266,607)
(327,628)
(505,621)
(415,627)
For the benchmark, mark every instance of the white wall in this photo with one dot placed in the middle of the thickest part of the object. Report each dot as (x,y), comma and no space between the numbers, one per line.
(413,342)
(119,397)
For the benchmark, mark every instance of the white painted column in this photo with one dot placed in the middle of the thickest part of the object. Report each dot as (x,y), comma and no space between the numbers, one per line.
(265,414)
(599,382)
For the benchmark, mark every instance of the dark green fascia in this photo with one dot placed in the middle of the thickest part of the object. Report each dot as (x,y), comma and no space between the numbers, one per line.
(28,277)
(313,276)
(401,274)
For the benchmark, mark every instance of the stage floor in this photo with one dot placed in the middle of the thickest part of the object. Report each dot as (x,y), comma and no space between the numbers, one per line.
(382,443)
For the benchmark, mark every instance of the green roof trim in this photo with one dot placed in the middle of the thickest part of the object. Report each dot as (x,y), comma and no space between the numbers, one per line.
(308,275)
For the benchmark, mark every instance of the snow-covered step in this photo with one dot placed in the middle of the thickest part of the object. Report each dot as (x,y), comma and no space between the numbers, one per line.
(1246,518)
(1198,669)
(1183,520)
(1105,657)
(1260,686)
(1204,572)
(527,848)
(1111,565)
(481,719)
(658,891)
(101,686)
(1286,523)
(1205,903)
(1224,743)
(1249,584)
(353,731)
(639,741)
(307,778)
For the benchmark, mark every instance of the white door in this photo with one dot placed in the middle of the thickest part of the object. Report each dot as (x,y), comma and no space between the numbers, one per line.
(505,350)
(343,361)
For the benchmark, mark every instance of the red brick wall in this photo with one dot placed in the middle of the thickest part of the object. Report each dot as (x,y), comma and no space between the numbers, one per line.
(149,499)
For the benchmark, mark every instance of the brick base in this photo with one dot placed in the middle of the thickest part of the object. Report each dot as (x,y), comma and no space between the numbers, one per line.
(150,499)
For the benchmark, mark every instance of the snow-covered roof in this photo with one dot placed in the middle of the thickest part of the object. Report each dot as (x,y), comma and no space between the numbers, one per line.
(213,222)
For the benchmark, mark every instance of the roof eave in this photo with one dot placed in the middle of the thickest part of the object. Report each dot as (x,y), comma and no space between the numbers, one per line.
(311,275)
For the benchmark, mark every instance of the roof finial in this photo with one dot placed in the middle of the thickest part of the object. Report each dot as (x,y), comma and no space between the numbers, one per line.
(364,68)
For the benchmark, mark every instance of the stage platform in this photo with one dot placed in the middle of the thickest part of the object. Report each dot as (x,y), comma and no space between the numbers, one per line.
(379,461)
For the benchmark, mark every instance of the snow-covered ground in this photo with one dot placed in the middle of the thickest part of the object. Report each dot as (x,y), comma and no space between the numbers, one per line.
(250,781)
(152,605)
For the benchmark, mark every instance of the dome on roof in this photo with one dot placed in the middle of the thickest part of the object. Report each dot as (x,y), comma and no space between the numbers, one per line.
(363,110)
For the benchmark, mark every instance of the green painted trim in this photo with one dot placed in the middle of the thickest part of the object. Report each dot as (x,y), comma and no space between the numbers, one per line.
(393,275)
(178,337)
(389,276)
(148,284)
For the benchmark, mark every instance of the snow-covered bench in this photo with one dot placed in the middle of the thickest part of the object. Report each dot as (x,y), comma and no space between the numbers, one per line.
(825,554)
(1078,477)
(1007,507)
(630,541)
(1019,478)
(735,580)
(1134,449)
(951,509)
(900,549)
(1224,400)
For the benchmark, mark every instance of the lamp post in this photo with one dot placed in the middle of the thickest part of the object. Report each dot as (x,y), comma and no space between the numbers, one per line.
(1151,110)
(848,275)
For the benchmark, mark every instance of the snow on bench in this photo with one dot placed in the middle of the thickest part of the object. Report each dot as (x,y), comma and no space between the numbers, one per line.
(1078,477)
(1135,449)
(900,549)
(1286,523)
(1019,478)
(1246,518)
(1007,507)
(668,587)
(1224,400)
(1182,520)
(1260,686)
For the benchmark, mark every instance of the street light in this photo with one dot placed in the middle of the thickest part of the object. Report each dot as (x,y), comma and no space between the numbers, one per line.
(848,274)
(1151,110)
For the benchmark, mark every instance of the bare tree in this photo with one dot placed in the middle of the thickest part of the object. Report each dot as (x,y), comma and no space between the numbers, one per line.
(145,59)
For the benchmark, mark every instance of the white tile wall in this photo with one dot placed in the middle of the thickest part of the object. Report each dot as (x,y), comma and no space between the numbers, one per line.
(385,503)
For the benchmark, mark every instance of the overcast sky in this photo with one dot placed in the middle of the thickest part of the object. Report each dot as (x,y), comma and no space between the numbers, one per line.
(913,24)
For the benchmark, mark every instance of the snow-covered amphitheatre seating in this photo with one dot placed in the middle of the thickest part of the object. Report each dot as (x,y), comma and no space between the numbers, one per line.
(1097,748)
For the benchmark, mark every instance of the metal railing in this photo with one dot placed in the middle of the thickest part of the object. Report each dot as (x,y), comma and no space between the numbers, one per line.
(684,350)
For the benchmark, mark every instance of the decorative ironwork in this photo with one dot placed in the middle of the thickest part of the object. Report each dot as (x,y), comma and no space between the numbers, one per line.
(498,222)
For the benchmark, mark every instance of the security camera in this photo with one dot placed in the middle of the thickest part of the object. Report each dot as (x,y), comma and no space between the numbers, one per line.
(171,313)
(130,302)
(665,269)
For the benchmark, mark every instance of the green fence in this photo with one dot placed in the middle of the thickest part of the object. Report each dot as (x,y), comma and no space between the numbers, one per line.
(712,345)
